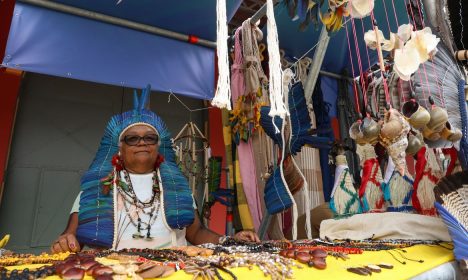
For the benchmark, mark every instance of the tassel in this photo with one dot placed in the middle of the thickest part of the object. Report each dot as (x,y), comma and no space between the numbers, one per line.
(278,107)
(425,181)
(370,191)
(344,198)
(398,189)
(222,97)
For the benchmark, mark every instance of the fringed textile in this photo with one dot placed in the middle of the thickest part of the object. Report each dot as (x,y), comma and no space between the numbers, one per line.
(424,182)
(344,200)
(398,190)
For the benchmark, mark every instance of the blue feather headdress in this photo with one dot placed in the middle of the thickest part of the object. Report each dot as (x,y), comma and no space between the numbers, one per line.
(96,219)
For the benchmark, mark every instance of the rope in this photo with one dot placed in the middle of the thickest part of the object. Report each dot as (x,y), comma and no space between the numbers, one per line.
(222,97)
(352,68)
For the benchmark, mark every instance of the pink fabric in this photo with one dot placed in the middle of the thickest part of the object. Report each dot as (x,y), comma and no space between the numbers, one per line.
(237,70)
(249,181)
(244,149)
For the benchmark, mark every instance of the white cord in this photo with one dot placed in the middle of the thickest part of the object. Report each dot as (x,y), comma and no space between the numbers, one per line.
(222,97)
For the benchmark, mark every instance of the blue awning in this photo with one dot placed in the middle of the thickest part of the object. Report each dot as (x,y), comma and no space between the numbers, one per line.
(59,44)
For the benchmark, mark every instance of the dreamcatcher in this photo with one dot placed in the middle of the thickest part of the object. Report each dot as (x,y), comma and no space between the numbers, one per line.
(192,154)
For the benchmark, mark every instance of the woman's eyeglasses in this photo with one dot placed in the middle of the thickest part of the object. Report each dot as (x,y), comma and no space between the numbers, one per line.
(133,140)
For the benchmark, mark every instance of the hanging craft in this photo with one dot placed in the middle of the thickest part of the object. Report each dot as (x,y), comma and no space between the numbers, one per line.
(191,147)
(370,191)
(398,189)
(305,11)
(344,199)
(360,8)
(393,136)
(222,97)
(428,173)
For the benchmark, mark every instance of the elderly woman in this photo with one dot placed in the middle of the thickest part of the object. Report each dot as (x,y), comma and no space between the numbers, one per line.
(134,195)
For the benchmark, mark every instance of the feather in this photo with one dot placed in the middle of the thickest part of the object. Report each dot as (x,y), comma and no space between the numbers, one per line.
(444,78)
(451,195)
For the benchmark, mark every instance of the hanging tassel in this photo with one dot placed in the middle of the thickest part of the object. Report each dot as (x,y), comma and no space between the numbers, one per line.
(278,107)
(344,198)
(398,189)
(222,97)
(425,181)
(370,191)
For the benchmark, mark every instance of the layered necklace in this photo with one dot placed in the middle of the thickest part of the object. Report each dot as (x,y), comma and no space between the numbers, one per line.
(146,211)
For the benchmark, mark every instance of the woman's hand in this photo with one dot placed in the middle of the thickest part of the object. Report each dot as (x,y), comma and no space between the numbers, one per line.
(246,235)
(65,243)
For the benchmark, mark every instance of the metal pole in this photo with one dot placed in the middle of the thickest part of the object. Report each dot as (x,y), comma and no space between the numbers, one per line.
(120,22)
(317,61)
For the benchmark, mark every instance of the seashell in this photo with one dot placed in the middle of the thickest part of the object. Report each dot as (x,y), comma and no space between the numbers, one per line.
(73,274)
(303,257)
(370,130)
(101,271)
(104,277)
(168,271)
(456,136)
(320,263)
(373,268)
(397,152)
(439,117)
(319,253)
(145,266)
(415,143)
(290,254)
(154,272)
(360,8)
(391,129)
(356,134)
(405,64)
(88,264)
(415,114)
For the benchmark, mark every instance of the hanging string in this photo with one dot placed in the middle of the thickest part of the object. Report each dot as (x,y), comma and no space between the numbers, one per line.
(439,91)
(382,67)
(461,23)
(352,69)
(398,24)
(424,65)
(183,104)
(386,16)
(419,73)
(369,69)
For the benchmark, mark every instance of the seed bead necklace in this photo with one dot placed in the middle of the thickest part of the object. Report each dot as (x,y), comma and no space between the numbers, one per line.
(149,208)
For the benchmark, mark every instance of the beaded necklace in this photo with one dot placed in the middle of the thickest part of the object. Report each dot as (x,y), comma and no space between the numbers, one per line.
(149,208)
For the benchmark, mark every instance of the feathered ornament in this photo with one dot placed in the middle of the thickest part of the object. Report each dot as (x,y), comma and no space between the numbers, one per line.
(428,174)
(398,189)
(393,136)
(451,195)
(304,11)
(370,191)
(344,199)
(445,85)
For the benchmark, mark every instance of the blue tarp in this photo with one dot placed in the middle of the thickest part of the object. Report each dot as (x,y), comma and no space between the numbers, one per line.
(296,43)
(54,43)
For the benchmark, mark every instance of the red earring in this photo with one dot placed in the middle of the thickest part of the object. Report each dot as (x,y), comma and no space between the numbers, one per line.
(117,162)
(159,160)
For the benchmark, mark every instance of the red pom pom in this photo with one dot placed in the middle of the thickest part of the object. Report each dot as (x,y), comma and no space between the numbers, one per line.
(159,160)
(117,162)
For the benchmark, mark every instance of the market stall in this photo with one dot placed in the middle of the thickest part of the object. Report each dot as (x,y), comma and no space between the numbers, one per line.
(349,139)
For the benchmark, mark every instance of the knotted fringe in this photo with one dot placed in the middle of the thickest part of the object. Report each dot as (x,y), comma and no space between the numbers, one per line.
(370,191)
(425,181)
(344,198)
(398,189)
(278,107)
(222,97)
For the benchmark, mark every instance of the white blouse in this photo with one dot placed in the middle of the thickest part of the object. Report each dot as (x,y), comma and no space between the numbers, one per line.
(160,233)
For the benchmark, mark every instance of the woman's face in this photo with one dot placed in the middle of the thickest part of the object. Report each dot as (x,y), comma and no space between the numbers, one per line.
(138,149)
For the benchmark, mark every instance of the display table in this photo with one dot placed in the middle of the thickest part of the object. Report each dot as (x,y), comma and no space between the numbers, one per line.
(432,256)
